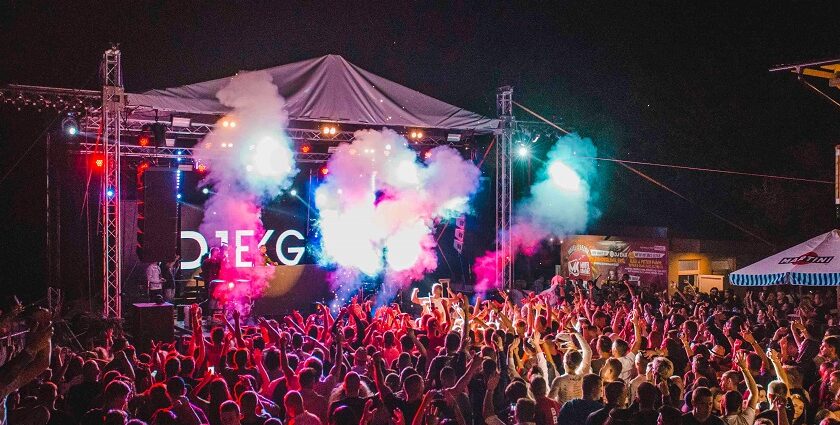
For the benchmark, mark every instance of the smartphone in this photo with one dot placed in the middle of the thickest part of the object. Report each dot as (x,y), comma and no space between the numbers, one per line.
(211,369)
(154,374)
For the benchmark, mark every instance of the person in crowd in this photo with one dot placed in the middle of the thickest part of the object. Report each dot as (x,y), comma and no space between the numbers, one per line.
(493,360)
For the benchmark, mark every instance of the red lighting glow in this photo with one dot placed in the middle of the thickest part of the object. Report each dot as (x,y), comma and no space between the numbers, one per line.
(428,154)
(305,148)
(325,170)
(143,141)
(202,168)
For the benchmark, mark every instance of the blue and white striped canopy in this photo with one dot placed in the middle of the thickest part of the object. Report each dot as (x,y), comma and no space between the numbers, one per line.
(815,262)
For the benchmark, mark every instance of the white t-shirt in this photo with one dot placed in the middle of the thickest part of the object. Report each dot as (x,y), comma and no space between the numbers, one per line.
(628,367)
(743,417)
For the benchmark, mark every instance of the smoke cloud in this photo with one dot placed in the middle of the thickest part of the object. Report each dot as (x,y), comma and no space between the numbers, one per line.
(250,161)
(379,205)
(560,203)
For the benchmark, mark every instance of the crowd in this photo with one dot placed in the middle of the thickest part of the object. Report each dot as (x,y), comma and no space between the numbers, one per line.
(573,354)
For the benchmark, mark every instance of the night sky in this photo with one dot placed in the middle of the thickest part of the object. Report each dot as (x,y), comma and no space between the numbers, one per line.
(675,82)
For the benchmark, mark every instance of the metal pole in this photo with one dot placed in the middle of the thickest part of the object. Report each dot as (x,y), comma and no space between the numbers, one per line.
(837,185)
(49,223)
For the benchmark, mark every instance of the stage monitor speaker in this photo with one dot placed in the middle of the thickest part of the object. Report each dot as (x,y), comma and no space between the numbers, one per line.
(150,321)
(157,215)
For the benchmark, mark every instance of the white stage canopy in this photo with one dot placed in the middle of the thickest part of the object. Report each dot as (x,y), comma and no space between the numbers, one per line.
(331,89)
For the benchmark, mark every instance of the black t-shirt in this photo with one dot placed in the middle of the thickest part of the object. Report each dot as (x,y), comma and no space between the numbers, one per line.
(408,408)
(689,419)
(81,397)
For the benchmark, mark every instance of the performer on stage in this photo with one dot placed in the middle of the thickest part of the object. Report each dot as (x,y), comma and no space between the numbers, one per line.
(265,260)
(167,273)
(435,299)
(154,281)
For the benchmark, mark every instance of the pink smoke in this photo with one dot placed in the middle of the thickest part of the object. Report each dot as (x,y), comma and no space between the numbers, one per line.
(560,203)
(249,160)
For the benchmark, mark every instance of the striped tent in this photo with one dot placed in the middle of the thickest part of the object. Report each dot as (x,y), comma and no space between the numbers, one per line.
(815,262)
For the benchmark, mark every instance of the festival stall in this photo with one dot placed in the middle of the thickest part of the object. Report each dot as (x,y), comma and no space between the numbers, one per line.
(811,263)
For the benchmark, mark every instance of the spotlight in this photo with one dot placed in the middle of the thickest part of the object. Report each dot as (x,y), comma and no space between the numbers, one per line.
(225,123)
(305,148)
(233,123)
(178,196)
(325,171)
(98,160)
(230,285)
(329,130)
(523,151)
(70,126)
(293,192)
(110,192)
(143,141)
(202,168)
(428,154)
(205,191)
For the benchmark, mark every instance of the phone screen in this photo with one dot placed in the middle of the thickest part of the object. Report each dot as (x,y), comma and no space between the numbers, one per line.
(211,369)
(154,374)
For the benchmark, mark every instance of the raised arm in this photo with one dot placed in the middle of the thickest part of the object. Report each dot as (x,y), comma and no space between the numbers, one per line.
(586,350)
(773,355)
(489,410)
(741,360)
(32,361)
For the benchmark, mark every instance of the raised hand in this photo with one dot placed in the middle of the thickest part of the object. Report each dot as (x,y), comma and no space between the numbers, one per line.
(492,381)
(397,417)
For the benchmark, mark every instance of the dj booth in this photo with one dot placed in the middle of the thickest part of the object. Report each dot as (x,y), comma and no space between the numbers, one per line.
(292,288)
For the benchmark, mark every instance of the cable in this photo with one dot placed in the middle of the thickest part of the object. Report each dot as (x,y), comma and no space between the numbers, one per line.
(820,92)
(710,170)
(660,184)
(683,197)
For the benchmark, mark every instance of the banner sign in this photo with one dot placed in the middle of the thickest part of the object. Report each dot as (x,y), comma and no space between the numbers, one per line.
(588,257)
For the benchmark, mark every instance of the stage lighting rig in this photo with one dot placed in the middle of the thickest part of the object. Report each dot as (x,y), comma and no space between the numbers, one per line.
(329,130)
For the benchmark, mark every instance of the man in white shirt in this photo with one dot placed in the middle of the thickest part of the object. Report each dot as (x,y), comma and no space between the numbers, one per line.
(621,351)
(294,409)
(569,386)
(155,281)
(736,412)
(641,375)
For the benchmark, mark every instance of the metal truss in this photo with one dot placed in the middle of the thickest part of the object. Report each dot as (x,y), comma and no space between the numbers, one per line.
(113,105)
(186,154)
(108,116)
(504,194)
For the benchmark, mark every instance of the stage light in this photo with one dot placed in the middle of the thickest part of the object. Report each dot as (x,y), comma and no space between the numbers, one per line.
(325,171)
(180,121)
(428,154)
(70,126)
(143,141)
(110,192)
(523,151)
(329,130)
(563,176)
(205,191)
(305,148)
(178,196)
(293,192)
(100,162)
(230,285)
(233,124)
(202,168)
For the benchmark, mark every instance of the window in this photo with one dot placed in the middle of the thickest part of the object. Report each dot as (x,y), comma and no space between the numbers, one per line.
(689,266)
